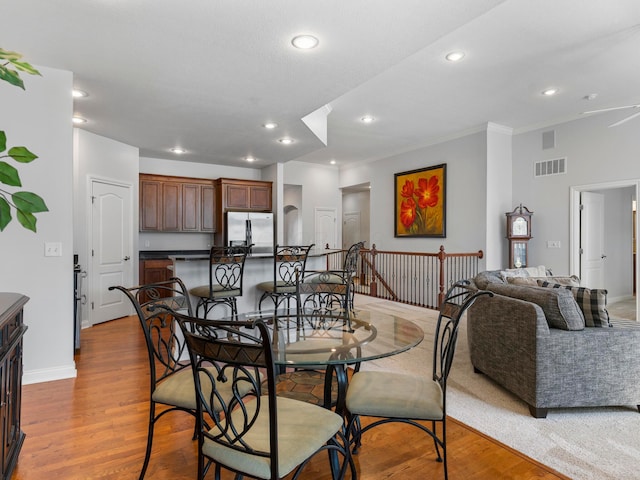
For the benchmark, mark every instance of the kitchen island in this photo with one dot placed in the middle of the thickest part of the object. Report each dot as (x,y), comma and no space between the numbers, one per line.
(193,270)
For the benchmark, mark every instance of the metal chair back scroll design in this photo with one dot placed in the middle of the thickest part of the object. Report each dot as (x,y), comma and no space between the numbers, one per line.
(226,272)
(259,434)
(397,397)
(169,364)
(288,262)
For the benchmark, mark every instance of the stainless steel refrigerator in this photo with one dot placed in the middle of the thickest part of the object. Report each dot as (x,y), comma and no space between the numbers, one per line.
(246,228)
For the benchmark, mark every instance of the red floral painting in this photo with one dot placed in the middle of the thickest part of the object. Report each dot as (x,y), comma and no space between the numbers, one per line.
(420,202)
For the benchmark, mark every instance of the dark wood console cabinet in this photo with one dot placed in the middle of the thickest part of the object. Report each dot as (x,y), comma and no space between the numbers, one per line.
(176,204)
(12,330)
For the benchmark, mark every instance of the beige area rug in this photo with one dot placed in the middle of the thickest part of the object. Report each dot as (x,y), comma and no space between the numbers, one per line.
(582,443)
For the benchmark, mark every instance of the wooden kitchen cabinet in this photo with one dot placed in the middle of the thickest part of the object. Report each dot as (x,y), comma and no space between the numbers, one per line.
(250,195)
(234,194)
(176,204)
(155,270)
(12,330)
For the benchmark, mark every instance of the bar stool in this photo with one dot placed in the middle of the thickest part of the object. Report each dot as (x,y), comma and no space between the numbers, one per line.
(288,262)
(225,280)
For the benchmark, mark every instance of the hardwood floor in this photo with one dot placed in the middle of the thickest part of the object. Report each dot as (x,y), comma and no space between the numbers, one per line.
(94,427)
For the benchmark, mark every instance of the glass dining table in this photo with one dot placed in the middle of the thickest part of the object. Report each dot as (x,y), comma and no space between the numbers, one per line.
(314,340)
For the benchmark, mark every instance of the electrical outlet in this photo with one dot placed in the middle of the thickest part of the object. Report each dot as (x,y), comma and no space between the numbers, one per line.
(53,249)
(553,243)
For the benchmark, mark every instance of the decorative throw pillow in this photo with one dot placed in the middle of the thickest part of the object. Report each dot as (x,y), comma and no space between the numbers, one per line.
(592,302)
(539,271)
(572,281)
(559,306)
(527,281)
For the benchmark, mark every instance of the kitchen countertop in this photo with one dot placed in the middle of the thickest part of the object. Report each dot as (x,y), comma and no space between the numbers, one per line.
(165,254)
(197,257)
(194,255)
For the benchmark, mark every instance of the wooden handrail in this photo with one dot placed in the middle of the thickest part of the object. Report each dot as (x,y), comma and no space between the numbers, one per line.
(416,278)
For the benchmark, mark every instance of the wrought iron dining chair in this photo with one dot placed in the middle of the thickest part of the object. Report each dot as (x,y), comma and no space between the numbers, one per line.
(330,290)
(401,397)
(259,434)
(171,378)
(289,261)
(226,271)
(316,302)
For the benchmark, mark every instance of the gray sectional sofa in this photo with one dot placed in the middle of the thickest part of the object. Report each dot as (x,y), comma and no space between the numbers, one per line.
(546,345)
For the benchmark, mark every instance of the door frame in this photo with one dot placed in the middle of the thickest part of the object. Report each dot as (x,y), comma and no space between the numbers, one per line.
(88,321)
(574,224)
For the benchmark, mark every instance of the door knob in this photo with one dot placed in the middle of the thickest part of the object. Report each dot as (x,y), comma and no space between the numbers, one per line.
(127,258)
(603,256)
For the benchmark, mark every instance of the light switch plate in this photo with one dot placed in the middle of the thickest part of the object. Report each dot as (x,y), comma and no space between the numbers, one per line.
(553,243)
(53,249)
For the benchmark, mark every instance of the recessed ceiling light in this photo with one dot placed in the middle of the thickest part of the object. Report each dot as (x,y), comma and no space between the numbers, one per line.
(78,120)
(286,141)
(305,42)
(270,125)
(455,56)
(250,158)
(332,162)
(79,93)
(549,92)
(591,96)
(367,119)
(178,150)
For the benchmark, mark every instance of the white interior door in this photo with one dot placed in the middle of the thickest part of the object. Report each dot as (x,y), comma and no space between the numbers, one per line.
(350,229)
(111,251)
(326,232)
(592,254)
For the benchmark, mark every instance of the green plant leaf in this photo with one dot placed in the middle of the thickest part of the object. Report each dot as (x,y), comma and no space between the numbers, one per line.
(5,213)
(22,154)
(25,67)
(11,76)
(27,220)
(9,175)
(11,56)
(29,202)
(3,141)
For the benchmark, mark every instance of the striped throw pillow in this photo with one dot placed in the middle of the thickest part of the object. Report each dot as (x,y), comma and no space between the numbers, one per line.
(592,302)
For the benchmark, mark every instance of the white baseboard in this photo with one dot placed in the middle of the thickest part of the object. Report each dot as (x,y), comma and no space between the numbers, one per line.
(622,298)
(49,374)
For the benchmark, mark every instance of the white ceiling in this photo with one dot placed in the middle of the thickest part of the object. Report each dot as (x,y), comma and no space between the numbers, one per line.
(206,74)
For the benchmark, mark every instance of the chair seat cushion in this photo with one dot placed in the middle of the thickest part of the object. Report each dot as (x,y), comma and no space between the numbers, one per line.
(326,277)
(394,395)
(218,292)
(178,389)
(280,287)
(302,429)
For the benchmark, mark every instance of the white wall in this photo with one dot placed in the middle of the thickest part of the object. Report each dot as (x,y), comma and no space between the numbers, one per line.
(498,187)
(40,119)
(319,189)
(100,158)
(466,195)
(618,266)
(595,154)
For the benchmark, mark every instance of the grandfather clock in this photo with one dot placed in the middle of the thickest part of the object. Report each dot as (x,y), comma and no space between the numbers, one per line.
(519,234)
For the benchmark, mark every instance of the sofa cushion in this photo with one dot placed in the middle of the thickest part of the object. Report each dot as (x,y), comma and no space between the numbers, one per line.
(559,306)
(572,281)
(482,279)
(539,271)
(592,302)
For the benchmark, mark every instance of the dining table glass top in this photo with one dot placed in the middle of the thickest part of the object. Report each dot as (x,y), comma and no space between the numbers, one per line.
(309,338)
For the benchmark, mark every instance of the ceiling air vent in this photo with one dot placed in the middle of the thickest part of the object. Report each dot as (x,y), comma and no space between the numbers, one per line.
(557,166)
